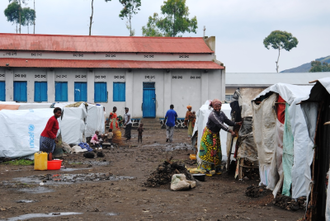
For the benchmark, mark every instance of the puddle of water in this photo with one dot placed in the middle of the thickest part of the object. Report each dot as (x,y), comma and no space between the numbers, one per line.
(41,215)
(94,163)
(72,169)
(51,179)
(36,190)
(25,201)
(112,214)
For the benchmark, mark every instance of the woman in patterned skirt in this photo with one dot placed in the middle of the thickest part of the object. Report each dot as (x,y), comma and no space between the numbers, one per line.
(210,148)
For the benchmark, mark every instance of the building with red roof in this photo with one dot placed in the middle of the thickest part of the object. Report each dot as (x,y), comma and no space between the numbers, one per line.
(146,74)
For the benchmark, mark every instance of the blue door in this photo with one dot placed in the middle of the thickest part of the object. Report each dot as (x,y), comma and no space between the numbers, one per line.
(20,91)
(61,91)
(40,91)
(2,91)
(80,91)
(149,100)
(100,92)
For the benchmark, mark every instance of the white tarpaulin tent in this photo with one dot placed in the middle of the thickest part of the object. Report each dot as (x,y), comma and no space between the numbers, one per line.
(20,131)
(268,135)
(72,124)
(201,119)
(95,120)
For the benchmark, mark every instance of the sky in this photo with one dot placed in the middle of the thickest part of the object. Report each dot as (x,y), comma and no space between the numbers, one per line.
(240,26)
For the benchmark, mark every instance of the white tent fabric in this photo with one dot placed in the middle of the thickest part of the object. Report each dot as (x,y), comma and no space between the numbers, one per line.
(95,120)
(303,147)
(72,124)
(202,116)
(20,131)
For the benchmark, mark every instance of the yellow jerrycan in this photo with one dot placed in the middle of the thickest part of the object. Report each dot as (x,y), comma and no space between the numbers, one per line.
(40,161)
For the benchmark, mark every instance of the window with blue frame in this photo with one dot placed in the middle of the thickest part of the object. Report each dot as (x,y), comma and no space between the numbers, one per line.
(80,91)
(100,92)
(20,91)
(119,92)
(2,91)
(40,91)
(61,91)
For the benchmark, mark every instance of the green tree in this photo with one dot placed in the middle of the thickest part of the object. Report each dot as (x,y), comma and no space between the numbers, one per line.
(131,7)
(318,67)
(29,16)
(175,21)
(12,13)
(151,28)
(18,15)
(280,40)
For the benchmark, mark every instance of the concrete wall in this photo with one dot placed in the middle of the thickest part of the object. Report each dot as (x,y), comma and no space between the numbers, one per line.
(178,87)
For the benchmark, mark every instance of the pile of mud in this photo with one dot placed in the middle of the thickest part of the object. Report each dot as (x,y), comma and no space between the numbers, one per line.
(164,173)
(288,203)
(256,191)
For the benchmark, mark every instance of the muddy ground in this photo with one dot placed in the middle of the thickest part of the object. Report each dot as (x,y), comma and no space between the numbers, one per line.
(112,188)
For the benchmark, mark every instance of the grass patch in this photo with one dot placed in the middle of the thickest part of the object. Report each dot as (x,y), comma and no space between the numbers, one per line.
(75,163)
(21,162)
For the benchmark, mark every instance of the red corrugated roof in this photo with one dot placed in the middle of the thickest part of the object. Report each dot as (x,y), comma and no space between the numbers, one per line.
(115,44)
(56,63)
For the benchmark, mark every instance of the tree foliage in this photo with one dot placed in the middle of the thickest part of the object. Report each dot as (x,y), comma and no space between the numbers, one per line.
(280,40)
(130,8)
(12,11)
(151,29)
(18,15)
(317,66)
(175,20)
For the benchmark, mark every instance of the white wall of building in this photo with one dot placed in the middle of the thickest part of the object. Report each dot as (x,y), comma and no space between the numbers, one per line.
(177,87)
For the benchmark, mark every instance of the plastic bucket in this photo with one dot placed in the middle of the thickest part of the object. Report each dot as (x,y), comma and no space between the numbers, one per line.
(54,164)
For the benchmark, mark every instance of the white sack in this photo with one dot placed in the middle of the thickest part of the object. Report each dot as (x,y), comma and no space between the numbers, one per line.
(20,131)
(180,182)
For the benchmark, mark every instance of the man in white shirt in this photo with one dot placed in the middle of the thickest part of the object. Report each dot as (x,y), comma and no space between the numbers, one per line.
(127,124)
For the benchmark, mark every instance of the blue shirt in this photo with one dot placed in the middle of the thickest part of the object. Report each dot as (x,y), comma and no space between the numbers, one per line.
(171,115)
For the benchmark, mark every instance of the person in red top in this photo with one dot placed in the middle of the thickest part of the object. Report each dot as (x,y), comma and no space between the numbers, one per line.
(48,135)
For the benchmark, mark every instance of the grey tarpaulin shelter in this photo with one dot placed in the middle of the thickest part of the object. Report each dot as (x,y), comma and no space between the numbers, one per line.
(284,150)
(316,110)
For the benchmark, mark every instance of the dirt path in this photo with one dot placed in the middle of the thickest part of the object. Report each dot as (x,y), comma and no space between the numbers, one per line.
(114,188)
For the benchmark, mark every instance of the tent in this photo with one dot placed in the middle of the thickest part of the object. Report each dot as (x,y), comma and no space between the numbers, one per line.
(20,131)
(201,119)
(316,110)
(285,151)
(21,128)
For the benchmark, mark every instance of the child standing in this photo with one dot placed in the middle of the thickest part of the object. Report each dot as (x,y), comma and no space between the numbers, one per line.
(140,130)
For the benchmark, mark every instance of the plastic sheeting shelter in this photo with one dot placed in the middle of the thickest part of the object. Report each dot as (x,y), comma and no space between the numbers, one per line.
(316,110)
(280,161)
(201,119)
(20,131)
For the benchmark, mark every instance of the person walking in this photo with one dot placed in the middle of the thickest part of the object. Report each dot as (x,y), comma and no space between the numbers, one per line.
(170,119)
(188,121)
(127,124)
(48,135)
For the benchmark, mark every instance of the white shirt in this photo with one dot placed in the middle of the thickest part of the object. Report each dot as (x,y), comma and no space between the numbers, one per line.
(126,117)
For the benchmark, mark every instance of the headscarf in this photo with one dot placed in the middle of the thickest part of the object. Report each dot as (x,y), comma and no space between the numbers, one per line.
(215,102)
(189,106)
